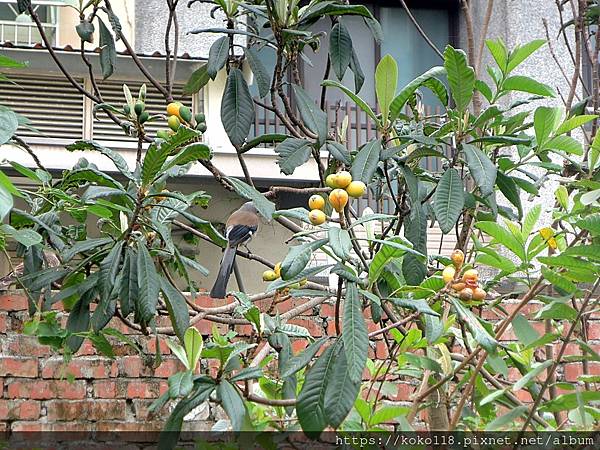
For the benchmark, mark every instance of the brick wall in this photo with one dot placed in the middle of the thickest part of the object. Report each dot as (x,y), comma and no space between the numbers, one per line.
(39,392)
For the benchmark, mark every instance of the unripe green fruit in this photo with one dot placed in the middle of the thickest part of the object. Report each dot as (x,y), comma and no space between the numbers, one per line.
(139,108)
(185,113)
(126,109)
(201,127)
(200,117)
(144,116)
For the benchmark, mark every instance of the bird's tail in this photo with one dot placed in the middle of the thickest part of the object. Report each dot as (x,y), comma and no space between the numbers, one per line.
(219,289)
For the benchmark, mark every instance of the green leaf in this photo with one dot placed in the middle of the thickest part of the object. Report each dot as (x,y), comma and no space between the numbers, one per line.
(449,200)
(502,236)
(507,419)
(177,308)
(341,391)
(531,219)
(557,310)
(386,254)
(271,139)
(265,207)
(339,240)
(418,305)
(310,406)
(524,331)
(366,161)
(261,75)
(530,376)
(591,223)
(6,202)
(522,83)
(461,77)
(545,121)
(197,81)
(354,335)
(8,125)
(498,52)
(492,397)
(510,190)
(114,156)
(522,52)
(292,153)
(480,334)
(193,344)
(482,169)
(109,267)
(108,51)
(237,108)
(594,153)
(153,162)
(386,82)
(234,406)
(84,246)
(359,75)
(191,153)
(566,144)
(314,118)
(25,236)
(181,384)
(148,284)
(408,90)
(574,122)
(217,56)
(559,281)
(298,257)
(300,361)
(566,402)
(340,49)
(339,152)
(355,98)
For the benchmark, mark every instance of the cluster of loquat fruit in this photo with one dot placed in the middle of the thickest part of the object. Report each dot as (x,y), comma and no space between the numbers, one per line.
(272,275)
(177,114)
(343,188)
(467,284)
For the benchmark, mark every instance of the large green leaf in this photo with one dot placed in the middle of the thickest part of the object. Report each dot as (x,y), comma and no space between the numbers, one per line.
(300,361)
(109,268)
(510,190)
(261,75)
(340,49)
(391,249)
(545,121)
(181,384)
(176,306)
(408,90)
(480,334)
(191,153)
(114,156)
(217,56)
(524,331)
(148,284)
(298,257)
(339,152)
(265,207)
(567,144)
(193,343)
(6,202)
(366,161)
(292,153)
(498,51)
(339,240)
(314,118)
(8,125)
(507,419)
(153,162)
(197,81)
(237,108)
(566,402)
(449,200)
(354,334)
(482,169)
(341,391)
(502,236)
(386,82)
(355,98)
(310,406)
(559,281)
(525,84)
(461,76)
(233,404)
(108,51)
(521,52)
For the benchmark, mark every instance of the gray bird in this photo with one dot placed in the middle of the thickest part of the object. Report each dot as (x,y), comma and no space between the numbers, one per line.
(6,281)
(240,227)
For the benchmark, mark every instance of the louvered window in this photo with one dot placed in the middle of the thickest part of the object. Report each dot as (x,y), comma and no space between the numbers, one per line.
(105,129)
(54,108)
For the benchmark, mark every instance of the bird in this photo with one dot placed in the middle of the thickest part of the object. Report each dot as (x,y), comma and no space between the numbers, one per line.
(239,229)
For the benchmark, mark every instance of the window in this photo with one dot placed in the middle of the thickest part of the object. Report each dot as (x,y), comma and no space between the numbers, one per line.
(20,28)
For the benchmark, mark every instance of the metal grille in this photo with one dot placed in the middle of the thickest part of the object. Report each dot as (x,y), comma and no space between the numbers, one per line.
(105,129)
(54,108)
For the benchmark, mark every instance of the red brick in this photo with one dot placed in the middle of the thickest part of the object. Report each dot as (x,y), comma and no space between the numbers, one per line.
(145,388)
(38,426)
(89,409)
(105,389)
(524,396)
(404,392)
(298,345)
(141,410)
(311,324)
(205,327)
(86,349)
(18,344)
(573,371)
(18,367)
(88,367)
(206,301)
(46,389)
(4,322)
(151,346)
(244,330)
(168,367)
(9,302)
(327,310)
(19,410)
(131,366)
